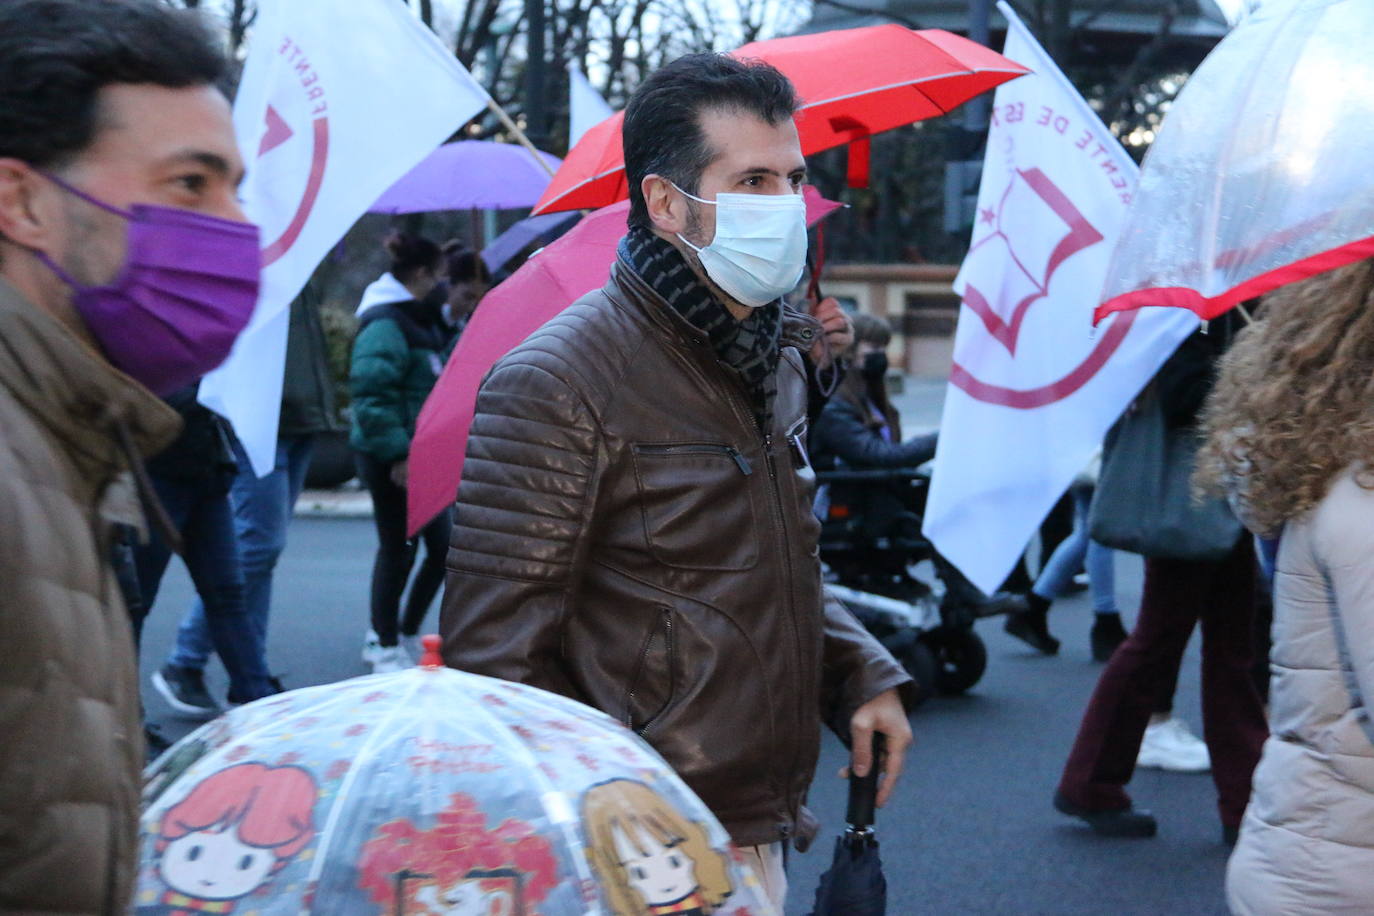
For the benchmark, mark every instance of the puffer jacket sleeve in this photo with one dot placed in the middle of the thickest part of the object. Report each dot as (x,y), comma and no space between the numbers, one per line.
(841,432)
(1344,541)
(522,525)
(855,669)
(376,381)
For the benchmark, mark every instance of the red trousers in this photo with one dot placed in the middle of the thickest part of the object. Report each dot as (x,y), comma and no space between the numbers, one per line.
(1177,594)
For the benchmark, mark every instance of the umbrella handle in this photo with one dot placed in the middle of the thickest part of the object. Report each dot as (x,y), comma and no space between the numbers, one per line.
(863,790)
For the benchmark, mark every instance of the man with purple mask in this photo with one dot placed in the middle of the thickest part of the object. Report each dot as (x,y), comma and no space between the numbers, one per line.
(126,271)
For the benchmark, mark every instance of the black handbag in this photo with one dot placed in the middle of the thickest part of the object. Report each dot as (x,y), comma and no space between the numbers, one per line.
(1144,501)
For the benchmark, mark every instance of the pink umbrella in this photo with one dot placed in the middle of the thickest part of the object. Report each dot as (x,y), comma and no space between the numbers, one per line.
(547,283)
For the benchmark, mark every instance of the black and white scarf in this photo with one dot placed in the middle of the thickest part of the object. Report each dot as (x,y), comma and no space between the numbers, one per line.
(749,347)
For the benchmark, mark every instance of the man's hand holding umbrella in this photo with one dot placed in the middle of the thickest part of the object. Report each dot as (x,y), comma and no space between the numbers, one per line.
(885,715)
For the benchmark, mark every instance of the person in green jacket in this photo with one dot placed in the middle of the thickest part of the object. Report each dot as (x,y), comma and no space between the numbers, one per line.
(397,357)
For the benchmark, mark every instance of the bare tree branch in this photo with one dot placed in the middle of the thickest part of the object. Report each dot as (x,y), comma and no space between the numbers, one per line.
(1119,97)
(869,11)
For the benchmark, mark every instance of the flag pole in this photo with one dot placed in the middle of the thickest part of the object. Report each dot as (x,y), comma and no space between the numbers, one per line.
(514,128)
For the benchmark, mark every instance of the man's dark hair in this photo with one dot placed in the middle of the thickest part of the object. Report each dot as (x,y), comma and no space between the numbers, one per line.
(662,132)
(56,55)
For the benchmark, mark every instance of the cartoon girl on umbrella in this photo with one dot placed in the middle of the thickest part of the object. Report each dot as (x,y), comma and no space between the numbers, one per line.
(649,858)
(229,836)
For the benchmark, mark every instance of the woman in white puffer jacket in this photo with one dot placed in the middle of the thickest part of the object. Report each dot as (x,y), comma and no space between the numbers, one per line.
(1290,427)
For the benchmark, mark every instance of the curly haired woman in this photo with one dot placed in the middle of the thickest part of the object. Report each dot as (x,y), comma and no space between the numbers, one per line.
(1290,429)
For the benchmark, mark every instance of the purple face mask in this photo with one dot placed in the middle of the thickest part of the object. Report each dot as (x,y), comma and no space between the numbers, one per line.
(187,288)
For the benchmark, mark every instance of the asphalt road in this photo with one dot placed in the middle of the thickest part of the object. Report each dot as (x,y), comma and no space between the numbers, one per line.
(970,831)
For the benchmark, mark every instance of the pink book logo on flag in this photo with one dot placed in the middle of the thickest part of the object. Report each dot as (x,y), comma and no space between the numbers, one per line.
(1015,246)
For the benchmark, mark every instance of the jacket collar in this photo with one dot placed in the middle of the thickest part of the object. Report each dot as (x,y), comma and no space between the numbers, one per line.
(75,394)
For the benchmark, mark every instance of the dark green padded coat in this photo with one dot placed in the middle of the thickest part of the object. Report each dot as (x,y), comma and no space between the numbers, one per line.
(397,357)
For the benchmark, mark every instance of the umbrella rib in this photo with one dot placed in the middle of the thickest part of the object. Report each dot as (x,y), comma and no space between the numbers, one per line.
(331,696)
(336,811)
(1211,236)
(591,179)
(501,730)
(916,82)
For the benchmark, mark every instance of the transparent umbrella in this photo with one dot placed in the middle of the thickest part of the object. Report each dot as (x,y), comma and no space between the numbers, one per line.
(430,791)
(1258,175)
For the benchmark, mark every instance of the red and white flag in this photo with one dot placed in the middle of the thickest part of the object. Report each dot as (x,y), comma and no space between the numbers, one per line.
(337,101)
(1034,387)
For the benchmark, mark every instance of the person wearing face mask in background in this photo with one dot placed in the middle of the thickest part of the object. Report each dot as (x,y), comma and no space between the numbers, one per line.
(858,427)
(126,272)
(634,519)
(860,430)
(397,357)
(468,281)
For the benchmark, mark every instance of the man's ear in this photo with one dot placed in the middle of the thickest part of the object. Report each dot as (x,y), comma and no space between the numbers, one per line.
(667,208)
(21,219)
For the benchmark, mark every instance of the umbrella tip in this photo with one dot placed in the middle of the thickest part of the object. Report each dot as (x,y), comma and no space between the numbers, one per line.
(431,657)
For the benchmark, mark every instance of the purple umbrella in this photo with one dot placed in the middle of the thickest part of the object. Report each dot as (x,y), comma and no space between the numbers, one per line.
(469,175)
(533,230)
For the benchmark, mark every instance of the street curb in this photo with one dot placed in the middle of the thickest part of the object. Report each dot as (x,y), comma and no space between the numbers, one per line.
(334,504)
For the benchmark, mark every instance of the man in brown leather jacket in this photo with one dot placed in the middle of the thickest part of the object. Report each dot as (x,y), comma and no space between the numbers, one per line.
(634,526)
(117,101)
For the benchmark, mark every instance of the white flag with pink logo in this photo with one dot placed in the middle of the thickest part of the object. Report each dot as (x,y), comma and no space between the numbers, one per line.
(337,101)
(1034,387)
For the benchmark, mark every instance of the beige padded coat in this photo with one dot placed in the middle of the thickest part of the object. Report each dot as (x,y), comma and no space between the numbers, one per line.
(1307,842)
(71,743)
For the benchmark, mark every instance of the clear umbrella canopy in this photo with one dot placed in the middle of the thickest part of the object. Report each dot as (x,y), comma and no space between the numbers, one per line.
(429,792)
(1259,174)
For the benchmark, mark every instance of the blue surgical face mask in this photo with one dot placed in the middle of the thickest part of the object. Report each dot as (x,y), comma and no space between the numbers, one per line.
(759,249)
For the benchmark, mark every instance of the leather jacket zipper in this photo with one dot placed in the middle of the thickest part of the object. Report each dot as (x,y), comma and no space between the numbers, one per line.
(702,448)
(740,408)
(639,669)
(791,602)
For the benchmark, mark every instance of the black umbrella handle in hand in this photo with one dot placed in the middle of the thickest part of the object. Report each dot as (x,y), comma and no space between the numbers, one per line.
(863,790)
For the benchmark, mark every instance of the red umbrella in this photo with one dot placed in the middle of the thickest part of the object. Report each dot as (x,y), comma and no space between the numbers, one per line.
(853,83)
(545,285)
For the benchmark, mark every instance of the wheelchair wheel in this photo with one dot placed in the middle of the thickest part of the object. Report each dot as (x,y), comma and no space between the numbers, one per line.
(961,658)
(919,662)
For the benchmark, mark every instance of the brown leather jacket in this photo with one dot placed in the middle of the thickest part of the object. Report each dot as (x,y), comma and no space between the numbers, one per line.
(626,537)
(71,744)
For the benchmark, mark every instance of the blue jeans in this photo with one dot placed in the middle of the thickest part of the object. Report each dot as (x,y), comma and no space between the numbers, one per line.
(262,510)
(1078,549)
(205,520)
(1267,550)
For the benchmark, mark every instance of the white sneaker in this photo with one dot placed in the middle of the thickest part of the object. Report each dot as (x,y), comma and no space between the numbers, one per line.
(1169,745)
(371,646)
(391,659)
(413,648)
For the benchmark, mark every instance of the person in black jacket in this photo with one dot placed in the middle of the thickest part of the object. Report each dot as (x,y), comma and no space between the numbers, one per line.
(263,505)
(860,429)
(192,479)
